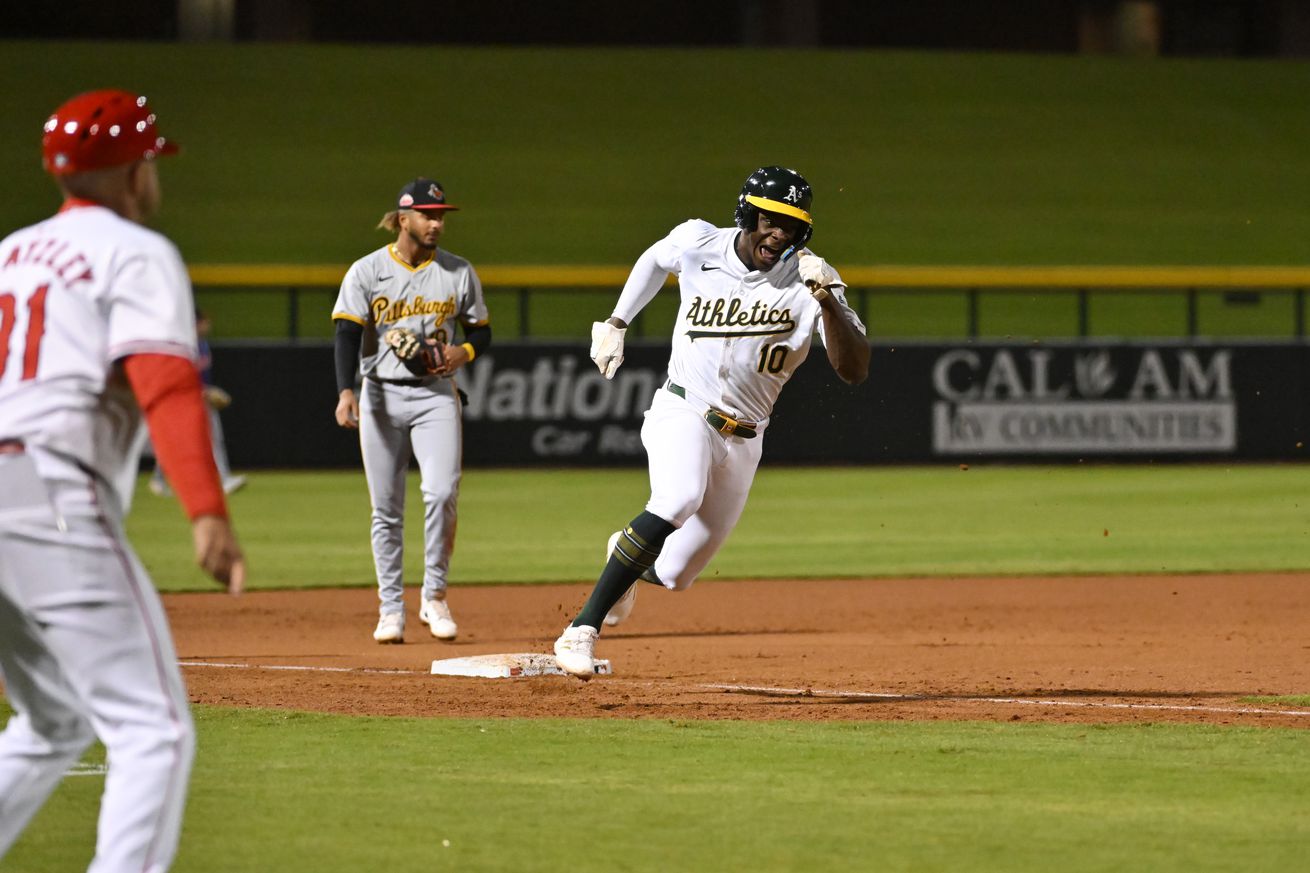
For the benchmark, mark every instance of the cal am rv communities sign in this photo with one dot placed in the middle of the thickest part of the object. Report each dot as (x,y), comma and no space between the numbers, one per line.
(1057,401)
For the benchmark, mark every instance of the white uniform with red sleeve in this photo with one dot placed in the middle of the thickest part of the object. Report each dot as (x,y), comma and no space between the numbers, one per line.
(739,335)
(85,648)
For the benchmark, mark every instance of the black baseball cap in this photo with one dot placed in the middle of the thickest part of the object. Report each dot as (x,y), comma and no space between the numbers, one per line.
(423,194)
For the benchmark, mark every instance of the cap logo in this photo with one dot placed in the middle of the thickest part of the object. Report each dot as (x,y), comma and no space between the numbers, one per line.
(406,200)
(435,193)
(793,196)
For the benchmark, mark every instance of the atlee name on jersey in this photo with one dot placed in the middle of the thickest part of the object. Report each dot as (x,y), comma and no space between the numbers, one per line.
(50,252)
(384,309)
(722,313)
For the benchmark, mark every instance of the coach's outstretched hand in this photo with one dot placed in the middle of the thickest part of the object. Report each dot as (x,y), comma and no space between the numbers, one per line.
(217,552)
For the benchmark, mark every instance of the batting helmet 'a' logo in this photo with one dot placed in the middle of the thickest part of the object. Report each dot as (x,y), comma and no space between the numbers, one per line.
(793,196)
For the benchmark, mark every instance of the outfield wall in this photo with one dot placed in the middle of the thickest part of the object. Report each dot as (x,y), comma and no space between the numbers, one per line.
(538,404)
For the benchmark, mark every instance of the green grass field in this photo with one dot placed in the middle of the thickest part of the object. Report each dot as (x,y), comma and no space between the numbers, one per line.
(306,529)
(283,790)
(287,791)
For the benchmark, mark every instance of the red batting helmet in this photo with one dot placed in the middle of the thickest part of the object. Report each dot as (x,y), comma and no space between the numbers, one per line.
(101,129)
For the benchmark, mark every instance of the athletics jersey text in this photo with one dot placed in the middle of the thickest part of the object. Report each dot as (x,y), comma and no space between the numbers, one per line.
(729,314)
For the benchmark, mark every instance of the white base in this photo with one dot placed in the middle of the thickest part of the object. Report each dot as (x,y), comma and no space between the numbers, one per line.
(508,666)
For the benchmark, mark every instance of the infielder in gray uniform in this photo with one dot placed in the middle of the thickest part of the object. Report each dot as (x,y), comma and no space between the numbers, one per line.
(395,318)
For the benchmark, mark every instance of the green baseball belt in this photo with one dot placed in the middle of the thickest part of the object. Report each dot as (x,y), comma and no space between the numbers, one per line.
(718,419)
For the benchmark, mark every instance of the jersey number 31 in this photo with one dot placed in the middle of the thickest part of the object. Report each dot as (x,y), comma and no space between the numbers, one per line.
(35,330)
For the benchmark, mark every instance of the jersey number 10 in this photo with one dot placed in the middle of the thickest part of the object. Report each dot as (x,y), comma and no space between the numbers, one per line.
(772,358)
(35,330)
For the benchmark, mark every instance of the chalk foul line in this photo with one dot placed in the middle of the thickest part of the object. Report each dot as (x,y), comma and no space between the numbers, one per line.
(297,668)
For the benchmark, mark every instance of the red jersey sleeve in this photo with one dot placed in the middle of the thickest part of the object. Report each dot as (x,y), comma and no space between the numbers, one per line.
(168,390)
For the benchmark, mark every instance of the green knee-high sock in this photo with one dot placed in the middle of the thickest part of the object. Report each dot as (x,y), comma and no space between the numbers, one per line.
(635,552)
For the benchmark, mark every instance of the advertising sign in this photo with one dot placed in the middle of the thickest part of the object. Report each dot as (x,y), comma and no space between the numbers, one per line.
(546,405)
(1074,400)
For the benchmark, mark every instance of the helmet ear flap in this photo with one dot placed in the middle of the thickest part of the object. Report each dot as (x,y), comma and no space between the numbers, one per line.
(747,216)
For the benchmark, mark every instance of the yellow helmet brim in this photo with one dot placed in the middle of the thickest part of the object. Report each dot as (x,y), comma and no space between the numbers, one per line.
(778,206)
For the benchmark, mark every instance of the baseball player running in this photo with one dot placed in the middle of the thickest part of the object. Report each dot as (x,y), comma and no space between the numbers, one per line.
(748,312)
(96,329)
(395,318)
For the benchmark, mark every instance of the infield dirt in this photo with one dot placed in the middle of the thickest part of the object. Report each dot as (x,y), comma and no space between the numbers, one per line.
(1069,649)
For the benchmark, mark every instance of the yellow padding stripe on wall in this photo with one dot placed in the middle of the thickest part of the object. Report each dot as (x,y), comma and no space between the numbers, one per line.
(558,276)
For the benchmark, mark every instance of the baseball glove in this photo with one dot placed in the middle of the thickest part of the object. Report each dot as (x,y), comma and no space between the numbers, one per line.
(420,356)
(403,341)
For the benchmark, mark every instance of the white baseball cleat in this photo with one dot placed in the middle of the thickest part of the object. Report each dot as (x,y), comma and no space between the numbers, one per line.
(621,610)
(233,484)
(436,615)
(391,628)
(573,651)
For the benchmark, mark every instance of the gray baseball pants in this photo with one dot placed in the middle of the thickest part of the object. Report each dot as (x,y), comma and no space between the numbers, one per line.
(398,422)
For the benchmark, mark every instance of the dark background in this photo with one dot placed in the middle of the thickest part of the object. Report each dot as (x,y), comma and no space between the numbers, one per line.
(1244,28)
(818,419)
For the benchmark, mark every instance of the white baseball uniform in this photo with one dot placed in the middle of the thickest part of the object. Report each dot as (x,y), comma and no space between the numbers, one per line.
(401,413)
(85,649)
(739,335)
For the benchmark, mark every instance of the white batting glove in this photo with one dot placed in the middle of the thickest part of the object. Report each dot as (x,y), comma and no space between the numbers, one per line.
(607,347)
(816,273)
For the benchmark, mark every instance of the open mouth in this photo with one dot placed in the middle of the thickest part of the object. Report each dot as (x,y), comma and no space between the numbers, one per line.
(768,254)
